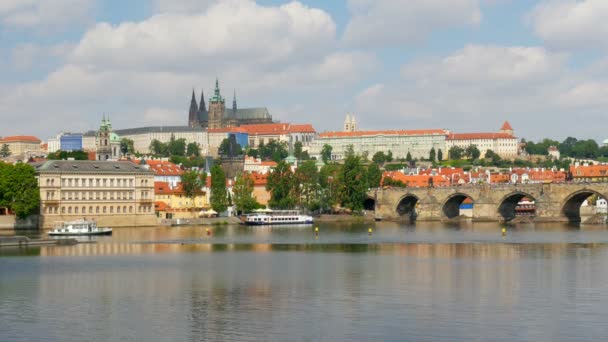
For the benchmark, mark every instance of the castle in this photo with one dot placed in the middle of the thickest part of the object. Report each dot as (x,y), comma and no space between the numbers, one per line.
(218,116)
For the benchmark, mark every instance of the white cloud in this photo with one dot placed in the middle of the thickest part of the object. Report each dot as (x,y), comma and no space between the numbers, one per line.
(391,23)
(44,14)
(572,24)
(238,30)
(183,6)
(28,56)
(141,73)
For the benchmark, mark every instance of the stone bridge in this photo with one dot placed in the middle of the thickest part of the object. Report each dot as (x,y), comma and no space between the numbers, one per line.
(555,202)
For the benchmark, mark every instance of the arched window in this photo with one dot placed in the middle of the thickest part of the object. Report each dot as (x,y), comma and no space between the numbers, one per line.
(63,210)
(90,209)
(84,210)
(75,210)
(131,209)
(104,209)
(118,210)
(111,209)
(69,210)
(97,210)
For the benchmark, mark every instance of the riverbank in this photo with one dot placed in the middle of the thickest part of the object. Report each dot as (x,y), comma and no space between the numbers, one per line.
(325,218)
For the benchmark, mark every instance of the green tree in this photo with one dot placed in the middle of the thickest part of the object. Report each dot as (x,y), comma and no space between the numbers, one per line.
(297,150)
(374,176)
(192,182)
(472,152)
(64,155)
(219,193)
(432,154)
(379,158)
(19,189)
(455,152)
(408,157)
(389,156)
(439,155)
(176,147)
(158,148)
(193,150)
(281,184)
(243,194)
(353,182)
(127,146)
(5,151)
(230,148)
(326,153)
(329,181)
(307,184)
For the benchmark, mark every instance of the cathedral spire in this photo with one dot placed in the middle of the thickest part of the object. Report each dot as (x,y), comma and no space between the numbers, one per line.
(234,101)
(202,107)
(193,112)
(217,87)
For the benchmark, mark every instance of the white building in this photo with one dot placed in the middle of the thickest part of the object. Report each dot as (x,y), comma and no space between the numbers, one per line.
(417,142)
(143,136)
(257,165)
(503,143)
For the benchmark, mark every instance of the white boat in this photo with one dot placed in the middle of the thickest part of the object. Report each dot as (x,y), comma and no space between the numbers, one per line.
(79,227)
(276,217)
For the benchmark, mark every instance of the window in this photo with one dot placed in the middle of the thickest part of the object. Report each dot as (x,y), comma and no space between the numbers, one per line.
(104,209)
(131,209)
(69,210)
(97,210)
(63,210)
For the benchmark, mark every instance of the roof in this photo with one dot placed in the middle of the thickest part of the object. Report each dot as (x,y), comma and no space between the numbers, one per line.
(472,136)
(21,138)
(385,132)
(506,126)
(87,166)
(276,128)
(151,129)
(160,206)
(163,168)
(163,188)
(249,113)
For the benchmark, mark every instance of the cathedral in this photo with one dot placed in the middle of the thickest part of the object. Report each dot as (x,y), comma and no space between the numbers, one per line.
(219,116)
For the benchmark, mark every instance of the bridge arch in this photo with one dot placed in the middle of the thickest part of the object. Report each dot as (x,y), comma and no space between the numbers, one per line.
(451,206)
(571,208)
(369,204)
(508,204)
(406,207)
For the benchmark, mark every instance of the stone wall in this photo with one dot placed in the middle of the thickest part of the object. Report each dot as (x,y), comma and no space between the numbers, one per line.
(11,222)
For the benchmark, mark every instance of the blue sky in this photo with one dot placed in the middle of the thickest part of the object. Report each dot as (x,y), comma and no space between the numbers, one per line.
(464,65)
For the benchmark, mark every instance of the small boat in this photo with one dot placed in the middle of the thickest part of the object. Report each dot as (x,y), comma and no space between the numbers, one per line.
(79,227)
(277,217)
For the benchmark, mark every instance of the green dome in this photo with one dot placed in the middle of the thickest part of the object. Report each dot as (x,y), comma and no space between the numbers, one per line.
(114,137)
(291,160)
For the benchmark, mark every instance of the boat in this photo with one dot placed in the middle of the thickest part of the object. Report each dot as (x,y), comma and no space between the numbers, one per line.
(276,217)
(78,227)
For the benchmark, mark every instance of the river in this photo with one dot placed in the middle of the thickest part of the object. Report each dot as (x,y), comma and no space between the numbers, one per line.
(422,282)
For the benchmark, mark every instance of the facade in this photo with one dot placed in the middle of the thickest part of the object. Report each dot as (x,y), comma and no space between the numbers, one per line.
(256,165)
(114,194)
(172,202)
(417,142)
(70,142)
(20,145)
(218,115)
(589,173)
(553,152)
(164,171)
(143,136)
(503,143)
(107,143)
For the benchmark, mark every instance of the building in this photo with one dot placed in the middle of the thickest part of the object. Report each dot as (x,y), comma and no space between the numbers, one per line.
(589,173)
(503,143)
(553,152)
(21,145)
(164,171)
(350,123)
(172,202)
(143,136)
(219,116)
(107,143)
(113,193)
(256,165)
(417,142)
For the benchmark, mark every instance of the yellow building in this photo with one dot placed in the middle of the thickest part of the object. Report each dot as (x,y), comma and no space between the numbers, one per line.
(172,202)
(114,194)
(21,144)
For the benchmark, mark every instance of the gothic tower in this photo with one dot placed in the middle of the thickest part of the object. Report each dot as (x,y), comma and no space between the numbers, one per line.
(232,120)
(193,113)
(203,115)
(103,140)
(217,108)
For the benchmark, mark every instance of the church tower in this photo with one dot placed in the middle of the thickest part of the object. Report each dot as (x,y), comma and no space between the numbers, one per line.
(350,124)
(193,113)
(217,107)
(203,115)
(103,140)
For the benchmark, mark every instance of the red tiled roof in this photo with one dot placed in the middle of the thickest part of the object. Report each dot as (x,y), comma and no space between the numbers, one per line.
(17,138)
(506,126)
(160,206)
(163,188)
(162,168)
(471,136)
(385,132)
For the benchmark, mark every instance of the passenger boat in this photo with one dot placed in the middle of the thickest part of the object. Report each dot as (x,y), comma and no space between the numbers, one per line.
(79,227)
(276,217)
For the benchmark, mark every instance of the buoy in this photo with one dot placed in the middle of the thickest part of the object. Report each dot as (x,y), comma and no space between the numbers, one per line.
(317,229)
(208,231)
(369,231)
(504,231)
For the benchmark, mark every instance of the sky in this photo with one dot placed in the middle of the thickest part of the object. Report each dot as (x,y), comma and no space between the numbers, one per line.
(463,65)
